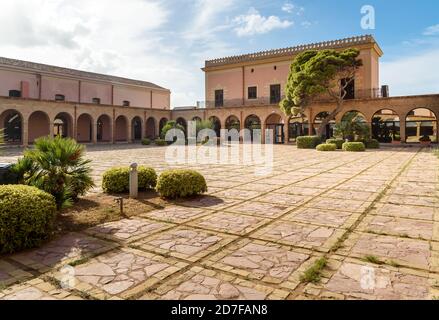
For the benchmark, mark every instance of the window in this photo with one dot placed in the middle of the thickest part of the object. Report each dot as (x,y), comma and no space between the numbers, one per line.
(252,92)
(126,103)
(60,97)
(350,89)
(275,93)
(15,93)
(96,100)
(219,98)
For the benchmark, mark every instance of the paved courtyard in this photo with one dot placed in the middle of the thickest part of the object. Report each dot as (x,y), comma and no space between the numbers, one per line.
(373,215)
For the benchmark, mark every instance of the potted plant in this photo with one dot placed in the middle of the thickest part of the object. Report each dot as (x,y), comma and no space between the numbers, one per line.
(425,140)
(396,139)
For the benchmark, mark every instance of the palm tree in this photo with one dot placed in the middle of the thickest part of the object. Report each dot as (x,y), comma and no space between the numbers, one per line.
(57,166)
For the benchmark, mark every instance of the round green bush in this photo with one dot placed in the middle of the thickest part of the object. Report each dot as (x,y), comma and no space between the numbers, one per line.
(307,142)
(372,144)
(160,142)
(27,217)
(337,142)
(180,184)
(146,142)
(326,147)
(354,146)
(117,180)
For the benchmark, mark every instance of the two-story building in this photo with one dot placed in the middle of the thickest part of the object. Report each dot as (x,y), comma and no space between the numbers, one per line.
(241,92)
(41,100)
(244,92)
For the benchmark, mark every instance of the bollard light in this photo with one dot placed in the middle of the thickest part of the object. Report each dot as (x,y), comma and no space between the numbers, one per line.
(134,181)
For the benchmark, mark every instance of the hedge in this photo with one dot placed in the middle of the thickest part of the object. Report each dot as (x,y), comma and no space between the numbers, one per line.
(146,142)
(337,142)
(307,142)
(160,142)
(27,217)
(180,184)
(327,147)
(354,146)
(117,180)
(372,144)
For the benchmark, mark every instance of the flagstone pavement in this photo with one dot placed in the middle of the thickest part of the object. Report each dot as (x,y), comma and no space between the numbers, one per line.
(373,215)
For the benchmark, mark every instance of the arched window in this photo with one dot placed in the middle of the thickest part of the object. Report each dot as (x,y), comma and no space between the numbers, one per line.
(60,97)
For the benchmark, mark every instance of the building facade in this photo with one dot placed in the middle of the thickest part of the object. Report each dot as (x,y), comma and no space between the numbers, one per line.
(240,91)
(41,100)
(244,92)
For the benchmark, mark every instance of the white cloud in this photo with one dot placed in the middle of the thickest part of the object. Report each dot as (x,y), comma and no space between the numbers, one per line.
(432,30)
(114,37)
(254,23)
(420,74)
(288,7)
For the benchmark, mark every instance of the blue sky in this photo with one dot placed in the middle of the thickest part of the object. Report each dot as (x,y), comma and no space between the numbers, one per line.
(167,41)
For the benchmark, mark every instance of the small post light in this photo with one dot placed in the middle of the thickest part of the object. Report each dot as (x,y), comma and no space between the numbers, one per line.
(134,181)
(119,200)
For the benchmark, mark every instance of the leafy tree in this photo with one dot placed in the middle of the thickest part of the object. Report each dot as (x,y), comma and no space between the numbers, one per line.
(171,124)
(316,74)
(204,124)
(57,166)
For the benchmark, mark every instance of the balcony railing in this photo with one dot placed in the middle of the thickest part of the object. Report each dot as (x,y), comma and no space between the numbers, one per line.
(374,93)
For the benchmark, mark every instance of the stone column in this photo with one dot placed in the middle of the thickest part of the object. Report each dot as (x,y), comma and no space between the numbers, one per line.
(94,133)
(402,130)
(130,132)
(25,134)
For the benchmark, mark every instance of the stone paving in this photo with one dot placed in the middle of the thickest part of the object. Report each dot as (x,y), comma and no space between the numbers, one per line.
(374,216)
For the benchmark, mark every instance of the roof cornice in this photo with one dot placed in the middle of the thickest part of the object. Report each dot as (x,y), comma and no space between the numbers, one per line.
(280,54)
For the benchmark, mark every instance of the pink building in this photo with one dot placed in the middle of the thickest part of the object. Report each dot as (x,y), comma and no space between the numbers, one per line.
(45,100)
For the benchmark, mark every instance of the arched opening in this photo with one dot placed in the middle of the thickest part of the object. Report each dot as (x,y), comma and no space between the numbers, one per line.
(121,134)
(354,115)
(162,123)
(136,127)
(197,119)
(421,123)
(150,128)
(104,129)
(62,125)
(38,126)
(84,128)
(386,126)
(354,126)
(252,123)
(216,125)
(181,121)
(275,122)
(232,122)
(329,130)
(297,127)
(12,125)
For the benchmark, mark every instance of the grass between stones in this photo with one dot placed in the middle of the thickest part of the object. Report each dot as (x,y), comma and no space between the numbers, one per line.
(314,273)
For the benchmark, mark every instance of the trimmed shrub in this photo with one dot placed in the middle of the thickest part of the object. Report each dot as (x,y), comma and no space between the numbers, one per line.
(180,184)
(117,180)
(160,142)
(146,142)
(337,142)
(372,144)
(354,146)
(307,142)
(27,217)
(147,178)
(326,147)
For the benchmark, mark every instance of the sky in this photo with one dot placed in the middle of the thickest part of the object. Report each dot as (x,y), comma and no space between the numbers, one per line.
(167,41)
